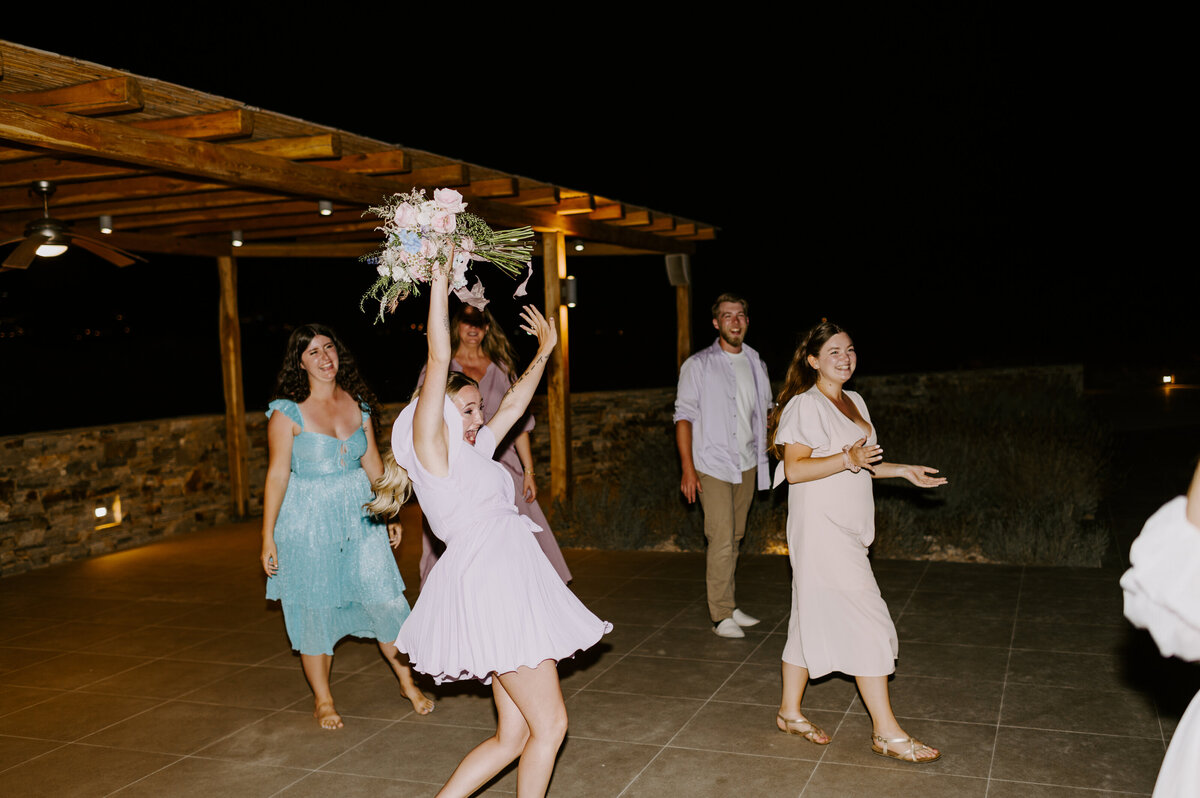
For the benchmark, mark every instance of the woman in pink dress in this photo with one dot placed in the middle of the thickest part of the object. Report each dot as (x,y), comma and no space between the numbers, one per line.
(482,351)
(829,453)
(492,608)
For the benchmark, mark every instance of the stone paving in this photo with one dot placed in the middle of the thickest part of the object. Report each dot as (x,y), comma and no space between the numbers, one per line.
(162,671)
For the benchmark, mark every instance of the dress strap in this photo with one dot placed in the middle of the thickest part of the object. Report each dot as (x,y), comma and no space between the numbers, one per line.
(288,408)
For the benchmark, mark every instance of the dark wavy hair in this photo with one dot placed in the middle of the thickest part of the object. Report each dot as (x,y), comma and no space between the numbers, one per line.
(292,382)
(800,376)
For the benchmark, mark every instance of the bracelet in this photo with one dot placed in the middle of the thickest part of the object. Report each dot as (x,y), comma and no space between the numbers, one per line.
(846,464)
(529,472)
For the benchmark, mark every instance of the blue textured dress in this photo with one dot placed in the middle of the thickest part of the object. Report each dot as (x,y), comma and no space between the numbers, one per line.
(337,575)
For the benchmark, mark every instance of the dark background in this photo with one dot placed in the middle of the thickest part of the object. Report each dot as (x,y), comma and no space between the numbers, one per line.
(963,187)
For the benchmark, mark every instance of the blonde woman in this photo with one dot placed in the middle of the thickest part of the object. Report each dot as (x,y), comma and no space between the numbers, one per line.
(493,608)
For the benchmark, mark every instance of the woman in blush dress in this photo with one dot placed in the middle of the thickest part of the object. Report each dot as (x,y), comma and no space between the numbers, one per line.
(493,608)
(327,562)
(1161,595)
(829,452)
(482,351)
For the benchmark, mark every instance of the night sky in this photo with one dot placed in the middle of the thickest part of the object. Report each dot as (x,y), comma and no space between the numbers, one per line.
(963,190)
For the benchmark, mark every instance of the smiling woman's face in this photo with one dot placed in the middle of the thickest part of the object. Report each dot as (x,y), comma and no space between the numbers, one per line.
(470,406)
(320,359)
(837,360)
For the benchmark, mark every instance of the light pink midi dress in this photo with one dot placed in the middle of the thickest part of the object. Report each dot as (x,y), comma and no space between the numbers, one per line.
(492,602)
(839,620)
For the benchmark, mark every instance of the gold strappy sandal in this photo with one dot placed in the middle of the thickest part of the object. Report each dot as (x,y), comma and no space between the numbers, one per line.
(909,756)
(796,726)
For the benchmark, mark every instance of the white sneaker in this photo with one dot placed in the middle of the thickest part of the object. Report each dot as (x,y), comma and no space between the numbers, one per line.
(728,628)
(742,619)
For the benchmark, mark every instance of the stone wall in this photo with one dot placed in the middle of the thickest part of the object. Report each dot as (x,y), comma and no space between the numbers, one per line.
(172,474)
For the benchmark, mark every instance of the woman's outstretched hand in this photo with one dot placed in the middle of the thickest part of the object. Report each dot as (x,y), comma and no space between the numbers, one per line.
(537,325)
(920,476)
(395,532)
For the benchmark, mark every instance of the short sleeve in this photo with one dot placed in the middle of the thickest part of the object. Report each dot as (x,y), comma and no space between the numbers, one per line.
(1160,585)
(485,441)
(288,408)
(801,422)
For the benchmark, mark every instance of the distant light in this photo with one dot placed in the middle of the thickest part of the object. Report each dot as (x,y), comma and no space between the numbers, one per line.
(325,207)
(236,238)
(51,250)
(106,224)
(101,512)
(578,245)
(1168,379)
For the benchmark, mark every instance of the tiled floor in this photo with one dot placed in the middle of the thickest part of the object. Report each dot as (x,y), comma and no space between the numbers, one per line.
(161,671)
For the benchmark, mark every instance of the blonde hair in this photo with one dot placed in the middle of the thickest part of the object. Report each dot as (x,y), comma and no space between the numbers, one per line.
(394,486)
(392,489)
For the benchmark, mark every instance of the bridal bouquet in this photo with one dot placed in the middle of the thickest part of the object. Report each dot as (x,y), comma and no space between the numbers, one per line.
(421,235)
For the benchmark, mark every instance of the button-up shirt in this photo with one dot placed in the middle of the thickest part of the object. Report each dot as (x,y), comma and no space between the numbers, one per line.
(707,397)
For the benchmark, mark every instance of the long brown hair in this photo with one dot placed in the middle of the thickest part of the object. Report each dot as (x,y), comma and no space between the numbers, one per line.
(292,382)
(495,346)
(800,376)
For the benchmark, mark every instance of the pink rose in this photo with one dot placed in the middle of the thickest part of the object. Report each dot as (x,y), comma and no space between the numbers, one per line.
(406,215)
(449,199)
(443,222)
(428,248)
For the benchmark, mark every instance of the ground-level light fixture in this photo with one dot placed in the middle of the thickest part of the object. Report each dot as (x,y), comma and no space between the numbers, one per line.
(106,224)
(570,291)
(325,207)
(106,510)
(1168,379)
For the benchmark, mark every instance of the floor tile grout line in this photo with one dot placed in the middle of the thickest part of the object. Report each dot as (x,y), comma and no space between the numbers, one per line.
(1004,686)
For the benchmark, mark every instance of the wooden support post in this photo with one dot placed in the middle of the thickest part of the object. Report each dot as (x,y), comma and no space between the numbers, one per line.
(679,273)
(558,381)
(231,373)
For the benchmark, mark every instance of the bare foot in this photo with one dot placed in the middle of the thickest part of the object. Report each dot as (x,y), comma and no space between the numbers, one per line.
(327,716)
(421,703)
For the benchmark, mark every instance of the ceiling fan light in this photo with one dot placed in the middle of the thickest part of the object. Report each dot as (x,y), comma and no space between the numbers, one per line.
(51,250)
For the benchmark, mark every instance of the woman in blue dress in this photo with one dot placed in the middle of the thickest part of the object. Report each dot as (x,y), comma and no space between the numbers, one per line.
(327,561)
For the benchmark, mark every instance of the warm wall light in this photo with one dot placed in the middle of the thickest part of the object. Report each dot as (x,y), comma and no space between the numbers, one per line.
(570,292)
(106,224)
(325,207)
(107,510)
(236,238)
(1168,379)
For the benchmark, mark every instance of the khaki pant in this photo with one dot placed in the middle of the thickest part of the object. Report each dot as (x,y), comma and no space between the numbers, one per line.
(725,509)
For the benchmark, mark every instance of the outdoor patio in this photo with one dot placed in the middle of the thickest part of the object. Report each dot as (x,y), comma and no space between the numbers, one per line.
(161,671)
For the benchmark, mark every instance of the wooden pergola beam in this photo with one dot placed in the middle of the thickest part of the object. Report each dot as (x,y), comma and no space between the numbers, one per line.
(351,249)
(104,96)
(296,148)
(214,126)
(215,162)
(574,205)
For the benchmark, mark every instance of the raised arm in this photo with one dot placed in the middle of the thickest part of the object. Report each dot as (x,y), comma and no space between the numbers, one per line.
(513,405)
(429,429)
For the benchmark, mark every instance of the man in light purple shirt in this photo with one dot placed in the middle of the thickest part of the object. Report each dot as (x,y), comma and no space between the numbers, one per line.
(721,430)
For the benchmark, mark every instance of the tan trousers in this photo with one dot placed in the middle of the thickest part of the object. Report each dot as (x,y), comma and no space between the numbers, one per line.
(725,509)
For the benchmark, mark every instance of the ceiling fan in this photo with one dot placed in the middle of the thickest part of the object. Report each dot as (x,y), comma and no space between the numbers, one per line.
(49,238)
